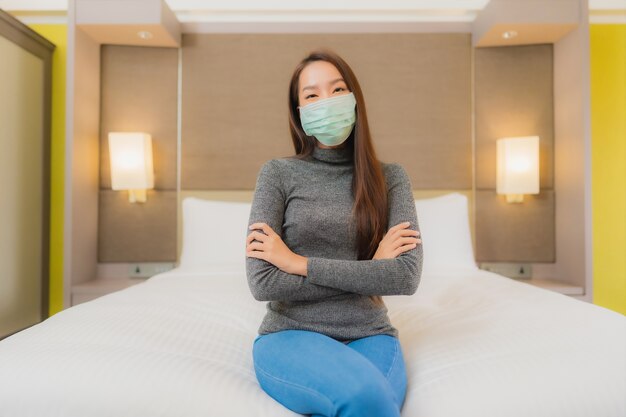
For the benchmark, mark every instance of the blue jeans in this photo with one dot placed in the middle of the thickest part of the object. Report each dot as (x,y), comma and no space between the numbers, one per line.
(311,373)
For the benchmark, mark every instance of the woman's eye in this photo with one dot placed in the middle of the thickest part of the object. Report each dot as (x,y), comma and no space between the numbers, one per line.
(309,96)
(339,88)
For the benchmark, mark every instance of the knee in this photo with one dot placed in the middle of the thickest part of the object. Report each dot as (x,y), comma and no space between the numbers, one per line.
(368,397)
(370,390)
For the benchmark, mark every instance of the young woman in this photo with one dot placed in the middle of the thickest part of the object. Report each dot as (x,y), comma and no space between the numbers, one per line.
(332,230)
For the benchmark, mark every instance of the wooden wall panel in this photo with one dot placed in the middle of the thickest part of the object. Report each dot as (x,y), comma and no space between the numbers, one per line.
(515,232)
(143,232)
(514,97)
(139,93)
(235,87)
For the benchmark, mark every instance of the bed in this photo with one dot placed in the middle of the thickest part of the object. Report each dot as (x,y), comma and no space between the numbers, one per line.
(179,344)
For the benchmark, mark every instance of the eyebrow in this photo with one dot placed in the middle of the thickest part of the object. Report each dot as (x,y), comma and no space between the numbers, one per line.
(310,87)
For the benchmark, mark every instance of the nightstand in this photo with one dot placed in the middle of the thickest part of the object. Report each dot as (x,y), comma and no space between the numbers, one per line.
(523,272)
(86,291)
(553,285)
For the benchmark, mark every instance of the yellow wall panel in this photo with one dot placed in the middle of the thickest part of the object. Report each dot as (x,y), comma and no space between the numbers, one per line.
(57,34)
(608,133)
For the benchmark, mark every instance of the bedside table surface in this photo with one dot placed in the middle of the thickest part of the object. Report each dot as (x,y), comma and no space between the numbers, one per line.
(553,285)
(104,285)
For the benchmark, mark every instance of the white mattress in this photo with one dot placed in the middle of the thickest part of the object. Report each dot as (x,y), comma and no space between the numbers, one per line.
(475,344)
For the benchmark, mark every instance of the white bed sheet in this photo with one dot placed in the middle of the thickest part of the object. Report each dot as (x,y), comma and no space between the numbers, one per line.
(475,344)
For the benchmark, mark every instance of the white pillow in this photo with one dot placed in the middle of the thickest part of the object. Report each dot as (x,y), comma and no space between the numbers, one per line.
(445,232)
(443,222)
(214,234)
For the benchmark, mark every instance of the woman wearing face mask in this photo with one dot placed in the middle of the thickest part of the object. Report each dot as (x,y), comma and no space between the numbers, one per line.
(331,230)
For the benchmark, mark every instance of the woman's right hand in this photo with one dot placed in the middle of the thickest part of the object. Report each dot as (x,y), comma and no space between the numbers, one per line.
(397,240)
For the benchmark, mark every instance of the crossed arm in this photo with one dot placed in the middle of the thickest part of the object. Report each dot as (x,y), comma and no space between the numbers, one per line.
(330,277)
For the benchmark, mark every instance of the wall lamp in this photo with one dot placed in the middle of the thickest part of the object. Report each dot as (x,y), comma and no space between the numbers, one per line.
(131,163)
(517,167)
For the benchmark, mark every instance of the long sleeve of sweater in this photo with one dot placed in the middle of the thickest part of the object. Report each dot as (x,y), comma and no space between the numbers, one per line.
(266,281)
(395,276)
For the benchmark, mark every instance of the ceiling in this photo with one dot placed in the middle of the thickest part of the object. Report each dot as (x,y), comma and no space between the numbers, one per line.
(328,11)
(338,16)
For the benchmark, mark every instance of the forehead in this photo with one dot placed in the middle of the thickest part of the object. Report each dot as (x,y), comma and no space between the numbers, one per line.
(318,72)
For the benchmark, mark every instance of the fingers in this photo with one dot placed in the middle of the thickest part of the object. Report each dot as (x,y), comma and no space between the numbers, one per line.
(255,249)
(398,234)
(408,232)
(256,246)
(256,235)
(398,226)
(406,241)
(257,254)
(404,248)
(401,228)
(263,226)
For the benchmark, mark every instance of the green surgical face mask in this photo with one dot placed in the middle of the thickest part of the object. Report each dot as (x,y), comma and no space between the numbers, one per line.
(330,119)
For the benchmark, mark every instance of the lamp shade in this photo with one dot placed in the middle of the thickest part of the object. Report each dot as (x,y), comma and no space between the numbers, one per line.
(517,165)
(131,160)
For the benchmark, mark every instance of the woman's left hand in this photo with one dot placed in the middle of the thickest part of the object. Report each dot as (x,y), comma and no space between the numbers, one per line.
(271,248)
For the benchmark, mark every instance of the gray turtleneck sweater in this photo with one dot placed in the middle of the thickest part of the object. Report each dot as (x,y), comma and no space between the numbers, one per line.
(308,203)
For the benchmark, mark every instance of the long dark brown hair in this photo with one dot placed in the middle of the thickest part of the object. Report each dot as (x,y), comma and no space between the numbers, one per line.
(369,189)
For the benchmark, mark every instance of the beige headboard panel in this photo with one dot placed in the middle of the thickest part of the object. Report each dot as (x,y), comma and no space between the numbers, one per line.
(417,90)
